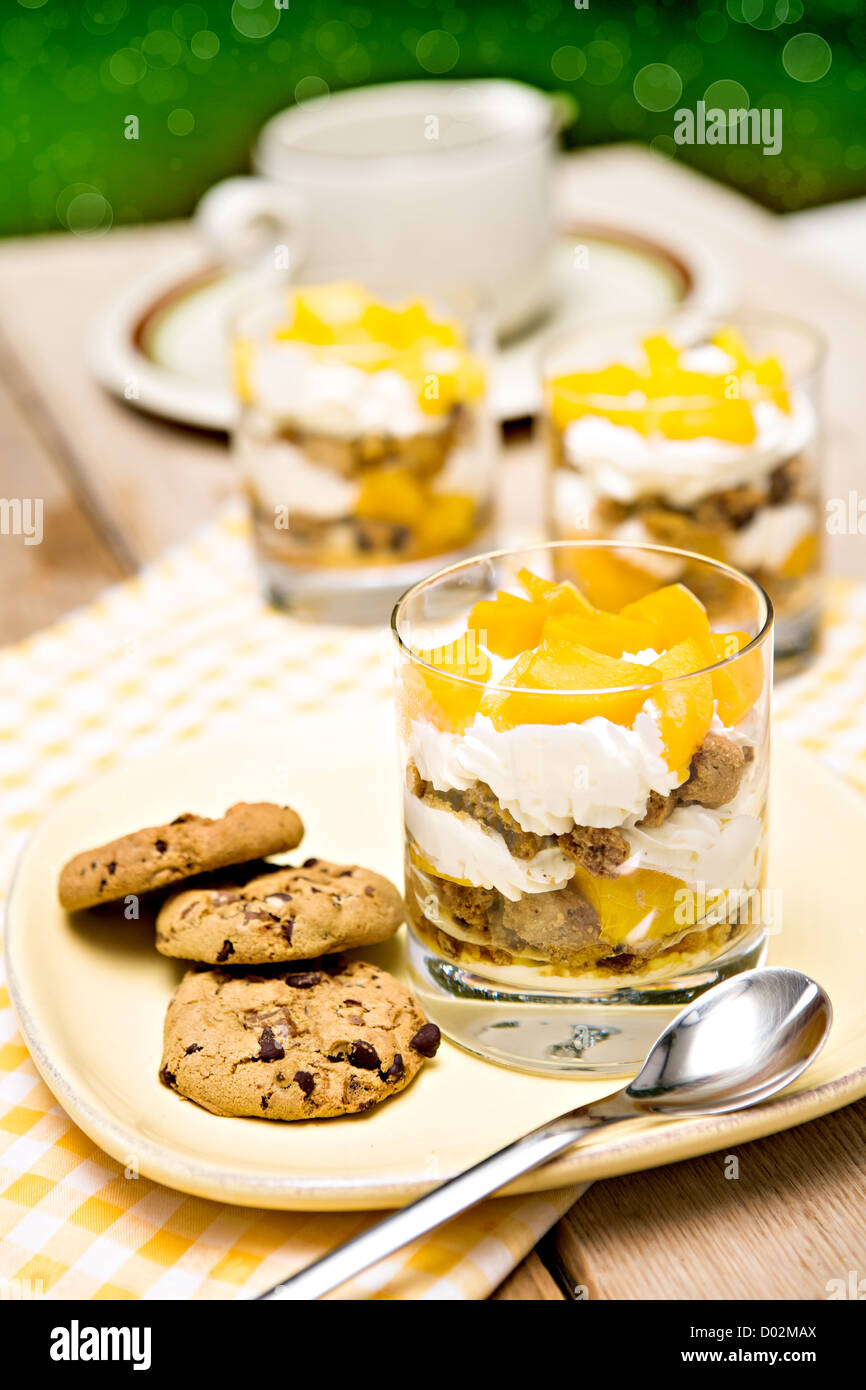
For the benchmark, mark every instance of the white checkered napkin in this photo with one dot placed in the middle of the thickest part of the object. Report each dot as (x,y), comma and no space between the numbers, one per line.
(189,646)
(824,708)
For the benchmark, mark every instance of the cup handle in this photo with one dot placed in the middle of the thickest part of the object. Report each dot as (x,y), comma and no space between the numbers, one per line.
(252,221)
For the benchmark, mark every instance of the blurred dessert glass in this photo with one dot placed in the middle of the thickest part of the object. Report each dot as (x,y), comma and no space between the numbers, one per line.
(702,437)
(585,796)
(363,438)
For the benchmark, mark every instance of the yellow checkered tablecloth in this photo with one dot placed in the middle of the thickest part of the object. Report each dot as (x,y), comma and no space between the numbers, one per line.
(187,646)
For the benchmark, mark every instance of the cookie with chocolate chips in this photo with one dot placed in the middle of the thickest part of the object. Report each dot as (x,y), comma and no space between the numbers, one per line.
(293,1046)
(280,915)
(162,855)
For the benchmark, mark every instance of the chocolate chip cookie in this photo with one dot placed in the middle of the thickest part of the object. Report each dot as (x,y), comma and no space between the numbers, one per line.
(293,1046)
(165,854)
(280,915)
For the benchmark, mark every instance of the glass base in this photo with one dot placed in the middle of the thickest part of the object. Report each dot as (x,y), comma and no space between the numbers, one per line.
(363,595)
(553,1034)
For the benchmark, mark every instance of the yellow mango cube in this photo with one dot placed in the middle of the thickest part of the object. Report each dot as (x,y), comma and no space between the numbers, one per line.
(561,683)
(674,614)
(686,707)
(450,694)
(606,633)
(508,625)
(737,686)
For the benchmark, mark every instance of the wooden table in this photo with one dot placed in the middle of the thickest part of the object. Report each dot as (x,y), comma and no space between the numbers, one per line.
(119,487)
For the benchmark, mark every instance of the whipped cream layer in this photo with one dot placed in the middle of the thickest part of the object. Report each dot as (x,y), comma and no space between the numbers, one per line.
(720,849)
(621,463)
(461,848)
(551,776)
(281,475)
(293,386)
(768,539)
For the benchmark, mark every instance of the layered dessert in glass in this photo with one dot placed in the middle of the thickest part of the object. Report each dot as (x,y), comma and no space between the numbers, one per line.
(704,438)
(585,791)
(363,440)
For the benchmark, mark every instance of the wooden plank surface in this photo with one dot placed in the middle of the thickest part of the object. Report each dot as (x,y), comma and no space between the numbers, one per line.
(531,1282)
(791,1221)
(118,487)
(73,561)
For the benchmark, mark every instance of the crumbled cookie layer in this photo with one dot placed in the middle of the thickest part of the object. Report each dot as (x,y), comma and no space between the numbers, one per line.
(600,851)
(560,925)
(293,1046)
(284,914)
(423,454)
(559,928)
(715,774)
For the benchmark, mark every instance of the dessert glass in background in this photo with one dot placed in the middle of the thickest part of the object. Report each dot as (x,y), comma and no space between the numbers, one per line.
(702,437)
(585,796)
(363,438)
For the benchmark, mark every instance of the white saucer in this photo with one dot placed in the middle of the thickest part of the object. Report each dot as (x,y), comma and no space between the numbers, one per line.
(161,346)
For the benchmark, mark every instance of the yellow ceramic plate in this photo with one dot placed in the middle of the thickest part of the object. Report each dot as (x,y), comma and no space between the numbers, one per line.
(90,994)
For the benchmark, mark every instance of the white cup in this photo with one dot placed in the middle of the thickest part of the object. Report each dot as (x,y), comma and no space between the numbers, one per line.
(448,178)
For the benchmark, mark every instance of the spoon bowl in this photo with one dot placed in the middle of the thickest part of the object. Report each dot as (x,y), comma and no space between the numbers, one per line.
(737,1044)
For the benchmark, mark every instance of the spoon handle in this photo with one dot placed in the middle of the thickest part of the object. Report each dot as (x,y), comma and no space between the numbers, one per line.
(438,1206)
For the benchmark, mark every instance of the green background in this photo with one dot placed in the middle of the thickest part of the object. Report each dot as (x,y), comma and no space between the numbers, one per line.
(202,78)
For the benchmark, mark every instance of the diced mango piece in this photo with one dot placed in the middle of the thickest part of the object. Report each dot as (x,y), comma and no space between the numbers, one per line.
(730,420)
(685,707)
(769,372)
(557,598)
(570,395)
(660,352)
(674,614)
(643,900)
(560,683)
(508,625)
(736,687)
(402,328)
(307,327)
(769,375)
(801,558)
(609,579)
(607,633)
(730,340)
(449,700)
(448,522)
(393,495)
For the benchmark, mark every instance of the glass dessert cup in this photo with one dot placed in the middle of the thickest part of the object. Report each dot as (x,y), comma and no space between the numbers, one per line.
(703,436)
(585,797)
(363,438)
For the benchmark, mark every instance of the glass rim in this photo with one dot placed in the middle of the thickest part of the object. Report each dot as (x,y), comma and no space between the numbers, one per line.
(704,322)
(599,544)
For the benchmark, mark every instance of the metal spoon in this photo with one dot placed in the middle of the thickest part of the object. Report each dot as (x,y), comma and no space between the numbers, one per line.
(739,1043)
